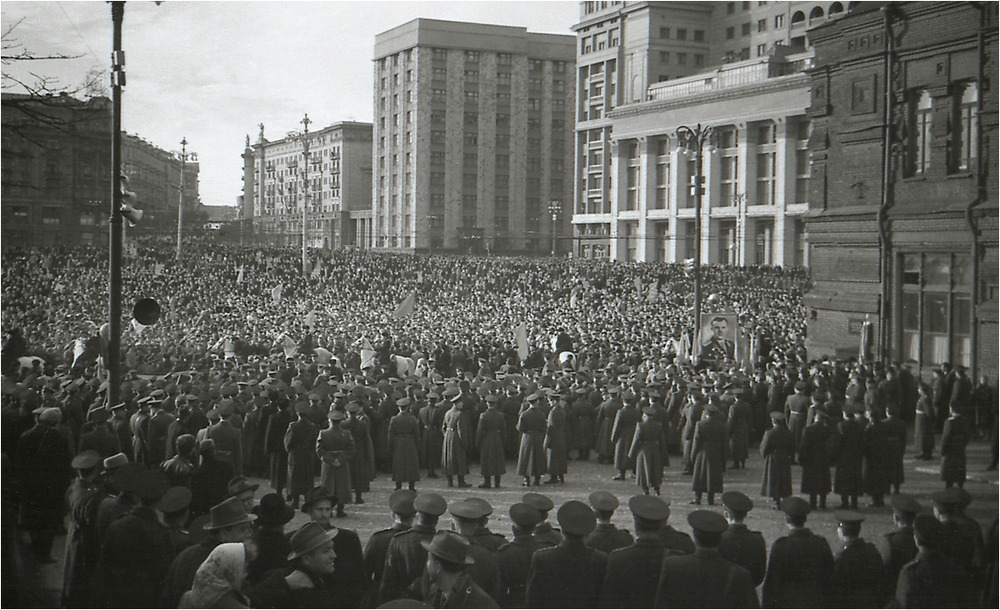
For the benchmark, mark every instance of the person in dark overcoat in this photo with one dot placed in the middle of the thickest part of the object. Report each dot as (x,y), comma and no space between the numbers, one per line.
(42,462)
(300,445)
(923,426)
(932,579)
(858,578)
(778,450)
(797,412)
(531,456)
(209,483)
(431,416)
(692,415)
(606,537)
(100,438)
(83,547)
(814,457)
(157,449)
(458,439)
(876,463)
(623,433)
(373,559)
(799,565)
(583,424)
(847,455)
(897,548)
(136,554)
(515,557)
(335,448)
(633,572)
(571,574)
(406,557)
(120,426)
(648,449)
(606,413)
(227,436)
(555,443)
(450,580)
(895,435)
(272,543)
(704,579)
(954,440)
(404,442)
(274,446)
(490,441)
(709,450)
(738,426)
(741,545)
(363,462)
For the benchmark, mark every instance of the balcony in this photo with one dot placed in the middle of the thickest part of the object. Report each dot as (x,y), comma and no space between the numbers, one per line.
(728,76)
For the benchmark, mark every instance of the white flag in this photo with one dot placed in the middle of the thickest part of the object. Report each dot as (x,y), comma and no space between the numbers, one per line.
(276,293)
(239,276)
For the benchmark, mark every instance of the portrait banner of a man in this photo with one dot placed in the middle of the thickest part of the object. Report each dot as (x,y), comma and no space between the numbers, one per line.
(718,338)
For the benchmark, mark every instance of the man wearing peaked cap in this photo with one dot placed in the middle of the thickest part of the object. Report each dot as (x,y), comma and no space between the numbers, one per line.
(606,537)
(82,545)
(704,579)
(800,564)
(137,552)
(633,571)
(932,579)
(544,530)
(483,536)
(962,543)
(485,572)
(741,545)
(449,565)
(405,558)
(458,439)
(898,548)
(531,458)
(778,450)
(571,574)
(515,557)
(401,505)
(858,577)
(490,432)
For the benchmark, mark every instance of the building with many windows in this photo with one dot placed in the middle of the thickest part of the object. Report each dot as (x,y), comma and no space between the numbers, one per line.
(903,217)
(336,178)
(155,177)
(472,138)
(645,68)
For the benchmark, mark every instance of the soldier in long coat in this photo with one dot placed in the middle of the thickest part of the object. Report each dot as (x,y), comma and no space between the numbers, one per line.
(490,441)
(799,565)
(274,447)
(514,558)
(300,445)
(404,442)
(606,413)
(120,426)
(858,580)
(777,448)
(431,417)
(740,544)
(954,440)
(738,426)
(895,431)
(531,456)
(814,457)
(363,462)
(692,415)
(457,441)
(622,434)
(797,412)
(583,424)
(709,450)
(335,448)
(556,448)
(876,464)
(648,450)
(923,425)
(83,547)
(228,439)
(847,455)
(156,435)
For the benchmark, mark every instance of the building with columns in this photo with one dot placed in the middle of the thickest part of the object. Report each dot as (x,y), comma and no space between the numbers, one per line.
(646,68)
(337,183)
(472,138)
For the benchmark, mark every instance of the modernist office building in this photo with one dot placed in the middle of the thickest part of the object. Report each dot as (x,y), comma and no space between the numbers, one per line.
(472,138)
(335,179)
(903,204)
(645,68)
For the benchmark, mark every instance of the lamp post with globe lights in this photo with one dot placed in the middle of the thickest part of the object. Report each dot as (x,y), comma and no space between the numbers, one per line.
(694,140)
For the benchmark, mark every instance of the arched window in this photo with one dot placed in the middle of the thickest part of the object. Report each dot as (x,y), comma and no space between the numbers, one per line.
(835,8)
(816,13)
(964,145)
(919,140)
(798,17)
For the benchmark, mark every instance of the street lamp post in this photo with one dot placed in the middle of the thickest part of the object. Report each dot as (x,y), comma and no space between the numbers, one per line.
(305,196)
(115,222)
(555,208)
(180,201)
(740,199)
(694,140)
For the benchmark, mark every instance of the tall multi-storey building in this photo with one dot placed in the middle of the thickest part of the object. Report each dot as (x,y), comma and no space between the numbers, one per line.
(57,174)
(335,179)
(472,138)
(903,229)
(646,68)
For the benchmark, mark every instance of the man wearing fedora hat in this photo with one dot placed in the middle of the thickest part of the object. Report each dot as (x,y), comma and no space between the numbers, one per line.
(349,578)
(450,584)
(228,522)
(306,584)
(272,545)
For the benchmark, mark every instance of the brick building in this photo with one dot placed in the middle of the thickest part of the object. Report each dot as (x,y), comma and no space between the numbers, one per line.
(155,176)
(472,137)
(903,222)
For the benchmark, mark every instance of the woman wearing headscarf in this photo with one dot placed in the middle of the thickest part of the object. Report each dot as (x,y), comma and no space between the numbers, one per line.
(219,580)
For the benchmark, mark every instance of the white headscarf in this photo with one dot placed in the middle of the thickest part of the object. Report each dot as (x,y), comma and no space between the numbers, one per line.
(223,571)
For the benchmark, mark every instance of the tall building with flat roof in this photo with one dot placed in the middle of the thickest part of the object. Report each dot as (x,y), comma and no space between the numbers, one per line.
(336,181)
(472,140)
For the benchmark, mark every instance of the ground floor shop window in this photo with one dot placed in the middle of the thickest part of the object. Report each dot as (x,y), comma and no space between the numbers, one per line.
(936,308)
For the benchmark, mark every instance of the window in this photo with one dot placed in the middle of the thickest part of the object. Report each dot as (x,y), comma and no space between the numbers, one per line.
(470,139)
(471,96)
(762,25)
(730,33)
(682,59)
(919,136)
(51,215)
(699,35)
(745,29)
(664,56)
(472,56)
(761,50)
(730,8)
(802,163)
(779,21)
(682,34)
(936,308)
(632,184)
(766,165)
(699,59)
(439,54)
(963,138)
(503,59)
(662,174)
(664,32)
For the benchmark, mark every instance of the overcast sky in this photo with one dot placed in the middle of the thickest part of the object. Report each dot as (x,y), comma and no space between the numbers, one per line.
(211,71)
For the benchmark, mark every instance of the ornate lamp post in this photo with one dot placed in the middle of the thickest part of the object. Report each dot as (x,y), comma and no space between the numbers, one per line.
(694,140)
(555,209)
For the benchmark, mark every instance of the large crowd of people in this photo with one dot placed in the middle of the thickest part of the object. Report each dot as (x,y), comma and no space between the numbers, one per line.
(454,366)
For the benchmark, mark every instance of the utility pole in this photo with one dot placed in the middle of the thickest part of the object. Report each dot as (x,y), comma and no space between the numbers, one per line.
(305,197)
(263,179)
(694,139)
(180,201)
(115,223)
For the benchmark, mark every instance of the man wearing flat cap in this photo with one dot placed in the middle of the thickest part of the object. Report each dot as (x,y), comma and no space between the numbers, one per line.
(515,556)
(634,571)
(571,574)
(405,558)
(740,544)
(858,577)
(800,564)
(704,579)
(42,463)
(448,561)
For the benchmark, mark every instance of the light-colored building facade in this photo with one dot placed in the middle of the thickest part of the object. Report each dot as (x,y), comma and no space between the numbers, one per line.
(336,181)
(472,138)
(646,68)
